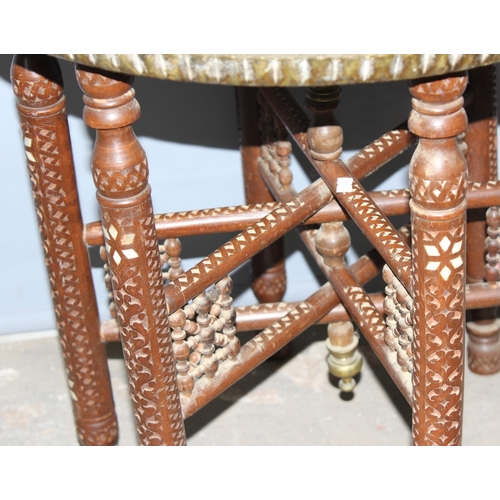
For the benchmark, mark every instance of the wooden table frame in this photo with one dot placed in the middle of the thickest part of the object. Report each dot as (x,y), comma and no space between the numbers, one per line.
(179,340)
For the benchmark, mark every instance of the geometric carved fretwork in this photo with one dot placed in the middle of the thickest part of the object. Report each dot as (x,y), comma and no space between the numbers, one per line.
(120,173)
(438,181)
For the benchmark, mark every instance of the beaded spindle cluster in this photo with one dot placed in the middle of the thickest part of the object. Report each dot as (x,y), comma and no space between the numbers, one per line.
(398,306)
(204,335)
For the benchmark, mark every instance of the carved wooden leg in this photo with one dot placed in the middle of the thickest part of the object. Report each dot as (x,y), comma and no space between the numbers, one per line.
(481,144)
(438,182)
(268,266)
(120,174)
(38,86)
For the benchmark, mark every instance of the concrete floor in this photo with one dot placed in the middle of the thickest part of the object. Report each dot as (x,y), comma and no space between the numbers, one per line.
(292,402)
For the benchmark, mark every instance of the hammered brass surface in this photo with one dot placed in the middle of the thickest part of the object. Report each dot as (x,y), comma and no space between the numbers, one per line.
(289,70)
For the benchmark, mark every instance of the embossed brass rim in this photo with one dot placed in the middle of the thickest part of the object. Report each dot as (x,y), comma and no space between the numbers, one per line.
(284,70)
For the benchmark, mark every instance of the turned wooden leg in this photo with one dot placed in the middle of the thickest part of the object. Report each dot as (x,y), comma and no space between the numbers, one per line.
(38,86)
(481,155)
(268,266)
(344,361)
(120,172)
(438,182)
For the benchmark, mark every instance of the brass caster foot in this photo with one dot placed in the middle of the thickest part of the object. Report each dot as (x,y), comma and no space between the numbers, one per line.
(344,360)
(347,384)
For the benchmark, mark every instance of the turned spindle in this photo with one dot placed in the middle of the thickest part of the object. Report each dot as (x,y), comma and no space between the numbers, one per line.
(398,307)
(492,268)
(207,336)
(344,361)
(332,240)
(181,350)
(283,150)
(228,315)
(173,250)
(324,135)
